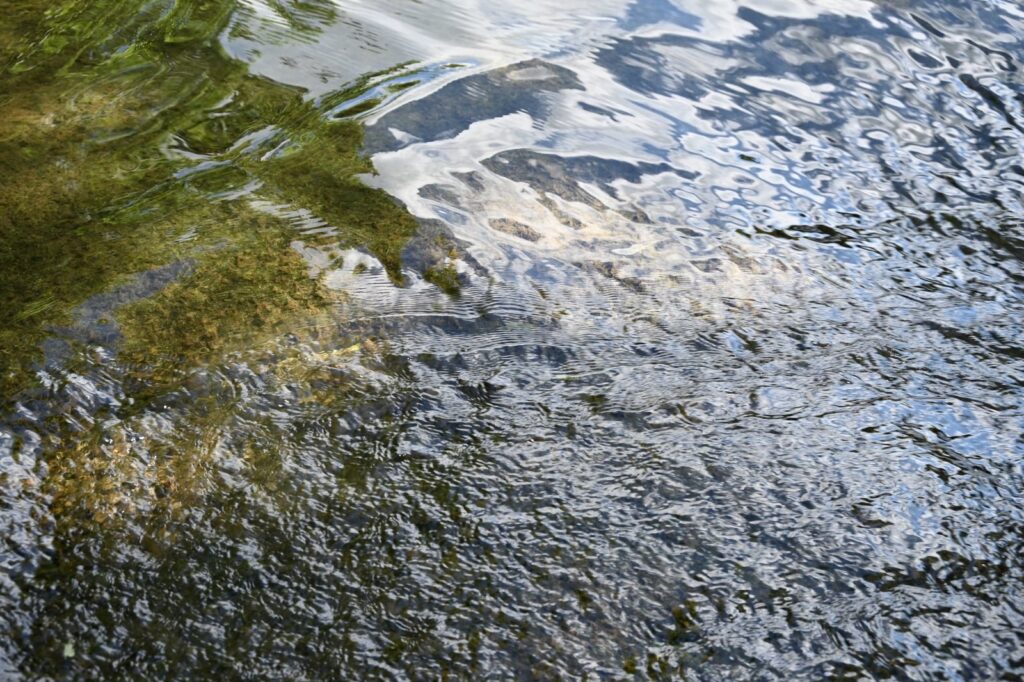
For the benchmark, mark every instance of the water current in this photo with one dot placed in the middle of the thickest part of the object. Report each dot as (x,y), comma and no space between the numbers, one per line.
(467,339)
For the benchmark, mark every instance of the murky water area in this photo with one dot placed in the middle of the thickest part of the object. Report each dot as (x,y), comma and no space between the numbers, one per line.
(601,339)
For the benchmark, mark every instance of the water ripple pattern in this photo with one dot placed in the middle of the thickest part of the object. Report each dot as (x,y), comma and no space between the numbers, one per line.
(732,388)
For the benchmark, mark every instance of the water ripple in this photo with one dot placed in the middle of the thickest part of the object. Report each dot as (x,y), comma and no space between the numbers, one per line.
(731,386)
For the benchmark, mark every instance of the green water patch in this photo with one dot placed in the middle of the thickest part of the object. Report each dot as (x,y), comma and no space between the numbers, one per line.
(130,140)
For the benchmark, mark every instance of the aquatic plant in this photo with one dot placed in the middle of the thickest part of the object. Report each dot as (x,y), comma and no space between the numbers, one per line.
(120,152)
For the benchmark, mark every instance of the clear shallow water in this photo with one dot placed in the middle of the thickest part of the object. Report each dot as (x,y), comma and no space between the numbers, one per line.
(731,386)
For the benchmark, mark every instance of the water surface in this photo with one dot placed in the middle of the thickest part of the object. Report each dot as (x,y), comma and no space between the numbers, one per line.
(628,338)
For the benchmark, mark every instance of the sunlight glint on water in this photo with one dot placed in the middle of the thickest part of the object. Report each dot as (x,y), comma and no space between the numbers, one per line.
(703,354)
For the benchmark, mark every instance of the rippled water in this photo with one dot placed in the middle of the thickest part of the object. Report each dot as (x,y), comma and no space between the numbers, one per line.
(704,356)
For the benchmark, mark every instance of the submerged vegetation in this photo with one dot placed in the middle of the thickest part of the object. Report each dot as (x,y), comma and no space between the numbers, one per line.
(146,184)
(129,140)
(735,392)
(253,287)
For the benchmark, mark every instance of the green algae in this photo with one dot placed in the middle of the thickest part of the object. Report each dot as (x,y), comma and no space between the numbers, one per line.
(145,184)
(249,290)
(65,179)
(319,174)
(445,278)
(107,107)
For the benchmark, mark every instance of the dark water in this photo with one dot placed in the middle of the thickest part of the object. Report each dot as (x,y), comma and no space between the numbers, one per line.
(705,358)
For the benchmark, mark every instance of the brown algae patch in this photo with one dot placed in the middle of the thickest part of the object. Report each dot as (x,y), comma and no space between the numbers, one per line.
(515,228)
(145,470)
